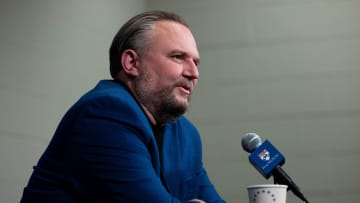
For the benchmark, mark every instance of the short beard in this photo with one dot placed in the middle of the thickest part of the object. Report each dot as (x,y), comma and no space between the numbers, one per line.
(161,103)
(169,109)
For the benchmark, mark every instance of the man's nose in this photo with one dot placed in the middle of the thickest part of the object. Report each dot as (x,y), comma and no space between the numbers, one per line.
(191,70)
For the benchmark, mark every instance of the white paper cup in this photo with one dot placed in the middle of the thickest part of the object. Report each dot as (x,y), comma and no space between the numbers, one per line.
(268,193)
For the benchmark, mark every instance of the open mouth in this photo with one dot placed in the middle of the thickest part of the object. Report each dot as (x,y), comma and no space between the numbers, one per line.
(187,88)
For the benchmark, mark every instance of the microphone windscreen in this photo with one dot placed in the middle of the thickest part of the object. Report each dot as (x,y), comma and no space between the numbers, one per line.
(250,142)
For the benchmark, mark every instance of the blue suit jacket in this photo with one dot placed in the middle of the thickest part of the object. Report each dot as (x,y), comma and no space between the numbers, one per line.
(104,150)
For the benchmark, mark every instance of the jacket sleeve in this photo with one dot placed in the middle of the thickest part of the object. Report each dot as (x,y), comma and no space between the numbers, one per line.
(207,190)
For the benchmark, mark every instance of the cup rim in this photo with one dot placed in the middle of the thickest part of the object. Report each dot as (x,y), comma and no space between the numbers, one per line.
(267,186)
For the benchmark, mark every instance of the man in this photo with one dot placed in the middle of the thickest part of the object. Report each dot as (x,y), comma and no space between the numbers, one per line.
(126,140)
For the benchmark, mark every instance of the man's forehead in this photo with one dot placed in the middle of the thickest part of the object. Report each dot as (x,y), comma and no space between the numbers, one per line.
(177,36)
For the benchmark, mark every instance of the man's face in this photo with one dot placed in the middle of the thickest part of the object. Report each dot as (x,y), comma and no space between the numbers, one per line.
(168,71)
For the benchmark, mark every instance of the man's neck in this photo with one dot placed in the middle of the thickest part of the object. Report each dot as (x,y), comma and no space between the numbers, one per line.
(129,84)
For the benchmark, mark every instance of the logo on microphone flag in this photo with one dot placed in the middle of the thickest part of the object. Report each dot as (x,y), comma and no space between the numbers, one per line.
(264,155)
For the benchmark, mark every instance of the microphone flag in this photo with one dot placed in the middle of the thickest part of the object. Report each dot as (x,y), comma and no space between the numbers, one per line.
(266,158)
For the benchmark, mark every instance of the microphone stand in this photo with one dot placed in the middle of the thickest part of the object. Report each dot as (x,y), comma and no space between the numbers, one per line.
(280,177)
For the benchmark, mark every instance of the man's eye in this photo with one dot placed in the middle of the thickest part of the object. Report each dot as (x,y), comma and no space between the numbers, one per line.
(196,62)
(178,57)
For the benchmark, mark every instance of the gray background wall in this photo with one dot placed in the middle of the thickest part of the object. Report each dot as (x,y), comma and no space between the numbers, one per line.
(286,69)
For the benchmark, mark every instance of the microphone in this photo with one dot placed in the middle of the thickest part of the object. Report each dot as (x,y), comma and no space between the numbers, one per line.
(268,161)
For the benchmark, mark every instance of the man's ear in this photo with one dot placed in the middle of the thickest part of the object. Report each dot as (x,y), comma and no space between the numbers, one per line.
(129,62)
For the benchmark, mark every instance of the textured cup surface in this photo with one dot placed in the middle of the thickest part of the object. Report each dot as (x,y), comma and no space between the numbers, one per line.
(267,193)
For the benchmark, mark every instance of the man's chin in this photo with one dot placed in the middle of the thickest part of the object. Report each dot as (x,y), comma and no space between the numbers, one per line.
(183,100)
(183,106)
(170,113)
(177,108)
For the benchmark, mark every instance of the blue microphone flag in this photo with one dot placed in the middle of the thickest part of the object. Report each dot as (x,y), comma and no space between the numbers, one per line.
(266,158)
